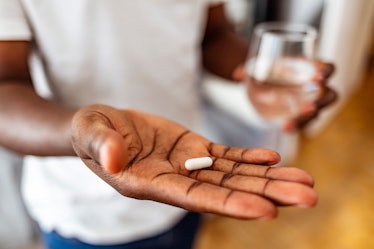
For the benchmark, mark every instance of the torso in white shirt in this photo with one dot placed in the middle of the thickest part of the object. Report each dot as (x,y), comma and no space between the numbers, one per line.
(130,54)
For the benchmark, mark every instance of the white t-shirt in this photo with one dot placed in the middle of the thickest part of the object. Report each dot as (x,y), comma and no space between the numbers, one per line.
(130,54)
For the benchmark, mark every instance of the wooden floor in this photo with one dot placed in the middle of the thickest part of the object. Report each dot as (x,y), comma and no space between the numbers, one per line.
(341,159)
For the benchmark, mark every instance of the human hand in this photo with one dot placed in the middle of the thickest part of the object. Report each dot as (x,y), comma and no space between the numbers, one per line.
(142,156)
(310,110)
(327,97)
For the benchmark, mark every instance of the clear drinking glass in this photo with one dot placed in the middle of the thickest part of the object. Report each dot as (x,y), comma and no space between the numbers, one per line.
(280,70)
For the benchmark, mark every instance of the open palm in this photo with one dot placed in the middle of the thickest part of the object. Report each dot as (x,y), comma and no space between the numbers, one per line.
(142,156)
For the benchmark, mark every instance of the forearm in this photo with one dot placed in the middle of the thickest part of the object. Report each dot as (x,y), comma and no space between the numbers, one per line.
(223,49)
(224,55)
(32,125)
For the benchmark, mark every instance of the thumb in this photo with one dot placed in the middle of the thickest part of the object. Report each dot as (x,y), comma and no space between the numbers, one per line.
(110,150)
(94,139)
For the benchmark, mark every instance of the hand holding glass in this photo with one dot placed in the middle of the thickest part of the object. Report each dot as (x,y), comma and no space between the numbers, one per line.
(280,70)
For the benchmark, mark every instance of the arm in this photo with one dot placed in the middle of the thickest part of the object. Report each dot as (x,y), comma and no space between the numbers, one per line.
(28,123)
(141,155)
(223,50)
(224,53)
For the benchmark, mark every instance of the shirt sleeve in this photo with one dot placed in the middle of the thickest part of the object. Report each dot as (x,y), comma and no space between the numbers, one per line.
(13,22)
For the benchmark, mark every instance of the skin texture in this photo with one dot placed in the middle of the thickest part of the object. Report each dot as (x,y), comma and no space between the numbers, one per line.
(142,155)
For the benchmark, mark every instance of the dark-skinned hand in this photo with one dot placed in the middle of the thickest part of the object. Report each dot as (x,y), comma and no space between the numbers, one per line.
(311,110)
(327,97)
(142,156)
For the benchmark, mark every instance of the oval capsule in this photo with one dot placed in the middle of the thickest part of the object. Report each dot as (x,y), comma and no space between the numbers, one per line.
(198,163)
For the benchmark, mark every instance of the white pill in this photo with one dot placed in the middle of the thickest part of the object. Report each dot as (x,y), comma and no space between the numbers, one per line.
(198,163)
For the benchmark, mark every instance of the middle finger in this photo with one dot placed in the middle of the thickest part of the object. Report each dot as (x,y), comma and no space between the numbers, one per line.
(275,173)
(278,191)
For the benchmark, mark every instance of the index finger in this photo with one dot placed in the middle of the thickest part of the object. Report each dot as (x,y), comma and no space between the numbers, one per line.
(324,70)
(245,155)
